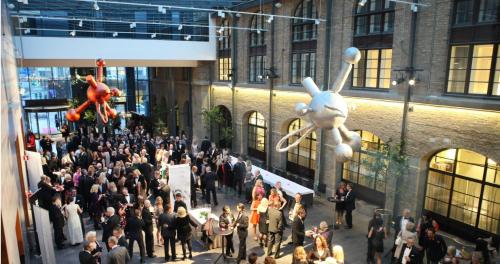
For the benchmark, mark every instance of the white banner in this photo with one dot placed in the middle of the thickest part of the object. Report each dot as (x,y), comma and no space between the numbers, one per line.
(34,168)
(44,231)
(180,182)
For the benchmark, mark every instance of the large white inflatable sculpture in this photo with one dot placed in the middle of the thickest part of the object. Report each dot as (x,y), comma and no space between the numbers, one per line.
(328,110)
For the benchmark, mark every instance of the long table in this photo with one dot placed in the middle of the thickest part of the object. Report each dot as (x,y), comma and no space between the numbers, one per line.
(289,187)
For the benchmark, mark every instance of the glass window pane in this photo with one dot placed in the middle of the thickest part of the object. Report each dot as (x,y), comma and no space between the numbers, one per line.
(489,10)
(471,164)
(464,11)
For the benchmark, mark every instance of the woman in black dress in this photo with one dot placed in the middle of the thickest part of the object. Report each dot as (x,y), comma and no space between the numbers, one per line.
(340,205)
(184,232)
(263,221)
(377,236)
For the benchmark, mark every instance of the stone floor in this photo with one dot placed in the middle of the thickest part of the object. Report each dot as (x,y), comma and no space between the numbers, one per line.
(353,241)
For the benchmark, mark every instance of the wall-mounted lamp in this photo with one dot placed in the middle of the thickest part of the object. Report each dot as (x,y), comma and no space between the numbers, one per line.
(270,19)
(397,81)
(412,82)
(271,74)
(362,2)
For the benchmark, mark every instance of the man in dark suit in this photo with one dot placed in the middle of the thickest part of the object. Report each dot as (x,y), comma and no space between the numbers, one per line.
(122,241)
(275,229)
(410,253)
(435,246)
(127,199)
(298,230)
(239,173)
(85,256)
(350,205)
(179,202)
(133,230)
(117,254)
(147,217)
(241,224)
(193,183)
(167,223)
(210,178)
(112,222)
(57,219)
(401,221)
(205,145)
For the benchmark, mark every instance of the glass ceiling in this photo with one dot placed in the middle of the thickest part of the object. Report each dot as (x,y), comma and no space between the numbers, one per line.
(158,19)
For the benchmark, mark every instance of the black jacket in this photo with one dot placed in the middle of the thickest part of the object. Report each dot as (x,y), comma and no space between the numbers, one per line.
(109,226)
(209,179)
(275,220)
(43,195)
(242,221)
(239,170)
(167,222)
(397,223)
(178,204)
(122,242)
(350,200)
(415,255)
(436,248)
(86,258)
(134,226)
(147,217)
(56,216)
(298,231)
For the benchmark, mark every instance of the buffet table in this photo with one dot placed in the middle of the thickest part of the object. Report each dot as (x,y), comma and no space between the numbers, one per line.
(200,217)
(289,187)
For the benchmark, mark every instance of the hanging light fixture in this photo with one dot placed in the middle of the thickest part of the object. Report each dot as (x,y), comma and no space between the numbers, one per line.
(80,23)
(72,33)
(27,31)
(270,19)
(96,6)
(221,14)
(362,2)
(133,25)
(317,22)
(188,37)
(153,35)
(115,34)
(179,27)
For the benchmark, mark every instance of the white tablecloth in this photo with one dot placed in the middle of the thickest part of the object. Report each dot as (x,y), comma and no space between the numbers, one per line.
(291,188)
(194,214)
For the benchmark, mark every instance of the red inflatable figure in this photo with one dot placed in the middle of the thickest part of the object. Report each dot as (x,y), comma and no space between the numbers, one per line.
(99,94)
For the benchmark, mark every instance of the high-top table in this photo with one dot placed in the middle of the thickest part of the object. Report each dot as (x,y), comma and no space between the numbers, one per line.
(289,187)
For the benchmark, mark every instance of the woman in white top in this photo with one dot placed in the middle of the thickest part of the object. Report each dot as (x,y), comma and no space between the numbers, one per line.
(72,211)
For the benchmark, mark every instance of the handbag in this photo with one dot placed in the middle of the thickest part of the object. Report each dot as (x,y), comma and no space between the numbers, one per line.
(398,241)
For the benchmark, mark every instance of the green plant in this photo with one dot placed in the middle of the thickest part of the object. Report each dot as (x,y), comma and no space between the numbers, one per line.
(389,162)
(89,116)
(212,116)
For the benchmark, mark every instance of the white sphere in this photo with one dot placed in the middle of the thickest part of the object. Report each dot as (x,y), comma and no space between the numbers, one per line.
(343,152)
(355,141)
(301,109)
(352,55)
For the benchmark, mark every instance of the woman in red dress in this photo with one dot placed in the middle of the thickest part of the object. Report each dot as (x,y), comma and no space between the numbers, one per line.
(254,216)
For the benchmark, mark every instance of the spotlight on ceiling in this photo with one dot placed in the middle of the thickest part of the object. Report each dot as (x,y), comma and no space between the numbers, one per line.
(397,81)
(414,8)
(221,14)
(162,9)
(316,21)
(133,25)
(72,33)
(27,31)
(179,27)
(270,19)
(278,4)
(115,34)
(221,30)
(362,2)
(188,37)
(258,31)
(22,19)
(153,35)
(96,6)
(80,23)
(221,38)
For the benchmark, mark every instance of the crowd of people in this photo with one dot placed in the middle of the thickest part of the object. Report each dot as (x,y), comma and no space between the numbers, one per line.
(120,183)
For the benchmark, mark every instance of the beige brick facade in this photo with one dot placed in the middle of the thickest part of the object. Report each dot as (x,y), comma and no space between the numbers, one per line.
(436,122)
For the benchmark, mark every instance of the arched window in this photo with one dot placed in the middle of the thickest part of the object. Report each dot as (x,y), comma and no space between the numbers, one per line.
(257,127)
(464,186)
(224,51)
(302,159)
(304,33)
(257,50)
(359,172)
